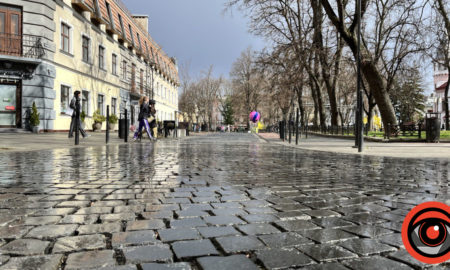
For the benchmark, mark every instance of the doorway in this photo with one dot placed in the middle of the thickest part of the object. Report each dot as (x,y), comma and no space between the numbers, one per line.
(10,106)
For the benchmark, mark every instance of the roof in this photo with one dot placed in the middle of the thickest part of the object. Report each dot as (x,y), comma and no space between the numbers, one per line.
(442,87)
(132,32)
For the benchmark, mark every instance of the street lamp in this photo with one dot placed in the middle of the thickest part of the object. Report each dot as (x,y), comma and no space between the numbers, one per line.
(360,127)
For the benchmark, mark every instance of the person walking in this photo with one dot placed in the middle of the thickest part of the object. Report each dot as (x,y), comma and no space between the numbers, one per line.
(152,119)
(75,106)
(144,112)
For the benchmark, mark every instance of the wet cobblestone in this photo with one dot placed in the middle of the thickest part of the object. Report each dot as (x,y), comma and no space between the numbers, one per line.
(227,201)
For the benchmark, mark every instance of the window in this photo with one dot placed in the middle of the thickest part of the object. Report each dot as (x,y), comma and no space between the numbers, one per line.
(133,77)
(131,34)
(65,98)
(114,64)
(85,102)
(124,70)
(100,103)
(139,41)
(101,57)
(65,37)
(85,49)
(121,25)
(113,105)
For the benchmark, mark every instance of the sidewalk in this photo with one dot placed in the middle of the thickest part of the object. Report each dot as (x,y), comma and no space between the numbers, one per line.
(335,145)
(13,142)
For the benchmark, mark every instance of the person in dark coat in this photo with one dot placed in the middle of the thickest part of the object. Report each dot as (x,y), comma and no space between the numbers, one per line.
(152,119)
(144,113)
(76,107)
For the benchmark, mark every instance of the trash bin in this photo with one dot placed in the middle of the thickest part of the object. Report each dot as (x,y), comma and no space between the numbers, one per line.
(282,125)
(433,127)
(122,127)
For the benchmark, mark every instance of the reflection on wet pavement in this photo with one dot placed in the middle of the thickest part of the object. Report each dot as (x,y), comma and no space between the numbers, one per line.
(211,202)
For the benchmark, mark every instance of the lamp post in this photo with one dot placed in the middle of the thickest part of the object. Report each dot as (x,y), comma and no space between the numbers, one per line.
(360,127)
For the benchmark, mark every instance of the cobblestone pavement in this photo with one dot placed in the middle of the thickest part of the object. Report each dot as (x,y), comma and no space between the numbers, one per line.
(212,202)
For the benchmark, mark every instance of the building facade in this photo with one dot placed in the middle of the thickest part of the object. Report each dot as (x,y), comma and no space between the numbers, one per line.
(97,47)
(440,82)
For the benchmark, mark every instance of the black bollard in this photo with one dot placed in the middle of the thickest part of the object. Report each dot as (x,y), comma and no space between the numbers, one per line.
(107,124)
(296,127)
(290,127)
(126,126)
(77,125)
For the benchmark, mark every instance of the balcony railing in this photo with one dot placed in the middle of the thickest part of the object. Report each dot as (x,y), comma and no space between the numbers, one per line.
(21,45)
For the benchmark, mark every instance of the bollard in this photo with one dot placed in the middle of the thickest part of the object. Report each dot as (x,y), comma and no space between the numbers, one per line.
(296,128)
(107,124)
(77,125)
(420,130)
(126,126)
(306,130)
(290,127)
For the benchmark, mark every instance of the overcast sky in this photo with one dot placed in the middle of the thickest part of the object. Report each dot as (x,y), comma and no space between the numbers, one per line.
(197,31)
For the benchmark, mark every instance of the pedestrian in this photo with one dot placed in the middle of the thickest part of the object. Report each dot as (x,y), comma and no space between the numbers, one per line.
(152,119)
(144,112)
(75,106)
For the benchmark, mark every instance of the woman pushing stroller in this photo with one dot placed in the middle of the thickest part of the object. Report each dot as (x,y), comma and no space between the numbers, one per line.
(144,113)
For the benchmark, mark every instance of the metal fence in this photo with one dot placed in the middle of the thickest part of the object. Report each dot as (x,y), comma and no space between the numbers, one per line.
(21,45)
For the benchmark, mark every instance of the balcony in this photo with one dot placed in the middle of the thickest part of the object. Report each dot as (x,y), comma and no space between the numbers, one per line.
(28,46)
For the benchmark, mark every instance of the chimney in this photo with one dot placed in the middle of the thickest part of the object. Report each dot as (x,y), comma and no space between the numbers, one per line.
(142,21)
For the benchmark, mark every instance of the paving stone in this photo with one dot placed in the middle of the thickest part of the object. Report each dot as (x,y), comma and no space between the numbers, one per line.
(366,247)
(24,247)
(187,223)
(321,213)
(394,239)
(15,232)
(90,259)
(297,225)
(79,219)
(259,218)
(260,210)
(225,263)
(332,222)
(170,266)
(194,248)
(129,209)
(257,229)
(43,220)
(55,212)
(190,213)
(325,266)
(152,253)
(100,228)
(404,257)
(326,252)
(79,243)
(140,225)
(169,235)
(156,215)
(133,238)
(282,258)
(47,262)
(367,231)
(289,239)
(161,207)
(109,203)
(117,217)
(229,212)
(3,259)
(196,206)
(94,210)
(210,232)
(52,231)
(234,244)
(375,263)
(364,218)
(292,215)
(293,207)
(118,267)
(227,205)
(223,220)
(328,235)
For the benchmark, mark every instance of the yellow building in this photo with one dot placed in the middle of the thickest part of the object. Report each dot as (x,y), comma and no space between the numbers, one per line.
(95,47)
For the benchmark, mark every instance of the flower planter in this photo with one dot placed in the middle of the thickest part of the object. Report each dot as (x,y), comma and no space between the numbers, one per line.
(97,127)
(112,127)
(35,129)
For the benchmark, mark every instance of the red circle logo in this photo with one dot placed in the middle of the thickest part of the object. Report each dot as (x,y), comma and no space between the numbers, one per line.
(425,232)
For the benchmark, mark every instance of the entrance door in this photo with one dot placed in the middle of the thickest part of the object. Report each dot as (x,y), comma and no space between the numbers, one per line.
(10,30)
(8,105)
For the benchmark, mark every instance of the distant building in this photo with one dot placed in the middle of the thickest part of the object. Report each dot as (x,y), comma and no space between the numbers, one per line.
(440,82)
